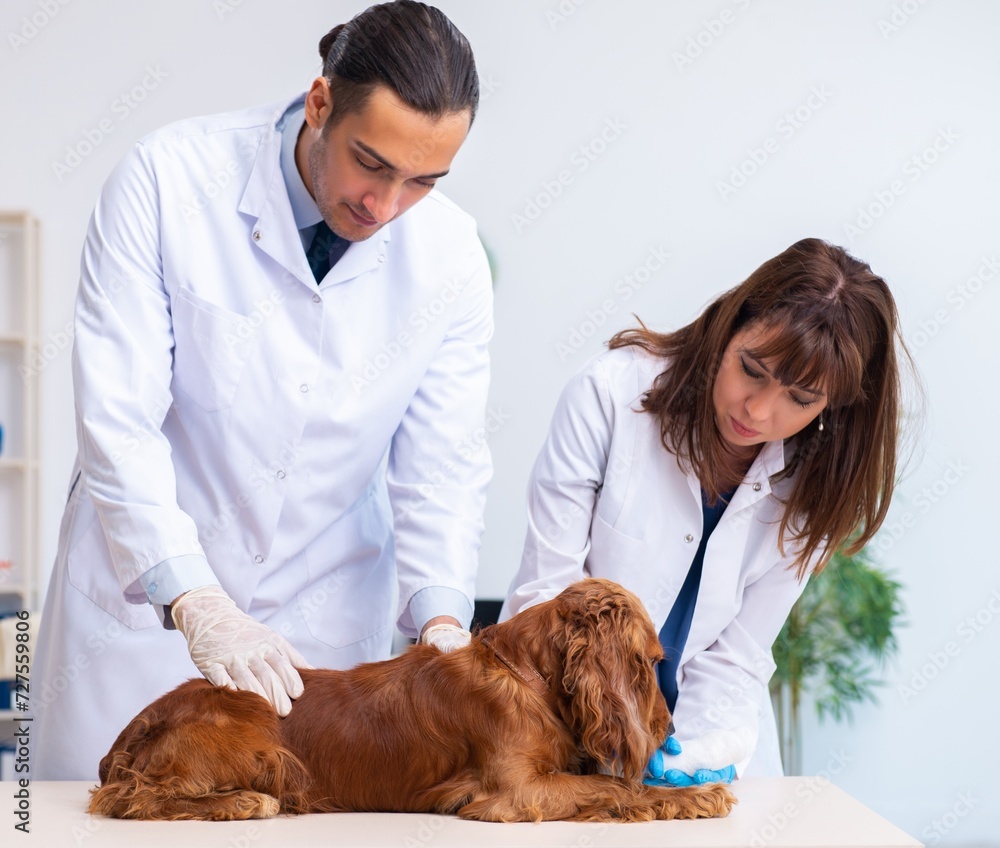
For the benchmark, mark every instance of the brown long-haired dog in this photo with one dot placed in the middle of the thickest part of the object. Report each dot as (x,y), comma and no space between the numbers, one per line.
(551,715)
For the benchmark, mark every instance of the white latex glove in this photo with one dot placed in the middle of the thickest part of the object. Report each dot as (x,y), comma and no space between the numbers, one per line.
(233,650)
(445,637)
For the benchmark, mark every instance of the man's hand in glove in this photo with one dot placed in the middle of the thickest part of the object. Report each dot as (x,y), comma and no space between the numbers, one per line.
(235,651)
(444,633)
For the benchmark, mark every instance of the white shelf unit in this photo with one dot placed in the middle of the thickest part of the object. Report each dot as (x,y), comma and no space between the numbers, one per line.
(20,368)
(19,378)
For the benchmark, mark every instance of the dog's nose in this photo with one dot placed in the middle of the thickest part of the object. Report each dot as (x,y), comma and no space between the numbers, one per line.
(670,728)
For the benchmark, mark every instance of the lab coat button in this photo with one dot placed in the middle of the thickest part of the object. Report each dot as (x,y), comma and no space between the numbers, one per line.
(381,258)
(258,559)
(689,538)
(152,589)
(317,299)
(756,487)
(280,475)
(303,388)
(256,235)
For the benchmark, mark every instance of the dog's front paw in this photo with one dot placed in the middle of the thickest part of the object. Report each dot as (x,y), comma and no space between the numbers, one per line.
(719,799)
(711,800)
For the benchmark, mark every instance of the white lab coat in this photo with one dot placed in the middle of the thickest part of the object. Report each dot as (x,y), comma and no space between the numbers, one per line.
(322,446)
(607,500)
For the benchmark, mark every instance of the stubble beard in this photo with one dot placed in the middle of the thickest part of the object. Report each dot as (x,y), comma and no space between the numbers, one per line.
(321,194)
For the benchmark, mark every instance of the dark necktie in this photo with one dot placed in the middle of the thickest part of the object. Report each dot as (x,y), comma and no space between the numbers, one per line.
(324,251)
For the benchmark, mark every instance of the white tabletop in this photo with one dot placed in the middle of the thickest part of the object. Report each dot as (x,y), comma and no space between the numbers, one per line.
(773,812)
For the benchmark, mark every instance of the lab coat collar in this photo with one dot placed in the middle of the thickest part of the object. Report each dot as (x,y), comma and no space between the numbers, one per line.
(266,163)
(769,461)
(723,560)
(304,208)
(266,200)
(757,484)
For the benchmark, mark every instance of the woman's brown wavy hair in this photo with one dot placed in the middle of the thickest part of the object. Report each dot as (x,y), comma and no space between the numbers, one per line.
(827,319)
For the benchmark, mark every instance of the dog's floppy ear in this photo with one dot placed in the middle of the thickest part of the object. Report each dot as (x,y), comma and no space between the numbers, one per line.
(607,675)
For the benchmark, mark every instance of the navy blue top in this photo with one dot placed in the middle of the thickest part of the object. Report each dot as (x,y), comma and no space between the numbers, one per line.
(674,633)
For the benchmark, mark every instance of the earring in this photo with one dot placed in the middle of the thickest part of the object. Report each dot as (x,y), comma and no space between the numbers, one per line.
(821,422)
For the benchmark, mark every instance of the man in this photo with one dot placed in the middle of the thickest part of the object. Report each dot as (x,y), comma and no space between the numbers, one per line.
(281,343)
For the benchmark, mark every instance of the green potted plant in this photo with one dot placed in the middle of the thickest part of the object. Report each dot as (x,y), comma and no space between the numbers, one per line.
(837,635)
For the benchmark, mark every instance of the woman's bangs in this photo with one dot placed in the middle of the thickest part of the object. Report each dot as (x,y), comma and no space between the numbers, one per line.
(811,357)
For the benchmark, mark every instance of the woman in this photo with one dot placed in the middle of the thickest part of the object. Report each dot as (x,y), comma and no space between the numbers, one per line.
(712,469)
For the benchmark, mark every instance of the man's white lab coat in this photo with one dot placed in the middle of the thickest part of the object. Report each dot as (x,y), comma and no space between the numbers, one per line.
(320,445)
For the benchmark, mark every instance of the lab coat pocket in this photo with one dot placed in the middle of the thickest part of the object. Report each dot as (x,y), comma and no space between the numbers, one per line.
(92,573)
(211,347)
(613,554)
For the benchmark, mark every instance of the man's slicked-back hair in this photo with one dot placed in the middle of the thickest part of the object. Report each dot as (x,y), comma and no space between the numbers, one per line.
(409,47)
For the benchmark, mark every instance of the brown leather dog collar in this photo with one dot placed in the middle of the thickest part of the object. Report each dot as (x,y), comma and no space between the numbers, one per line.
(526,672)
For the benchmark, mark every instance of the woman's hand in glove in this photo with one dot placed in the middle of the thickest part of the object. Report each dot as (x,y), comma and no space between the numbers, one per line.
(708,759)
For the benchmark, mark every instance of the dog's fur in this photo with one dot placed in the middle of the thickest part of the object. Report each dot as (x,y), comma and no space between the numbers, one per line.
(428,732)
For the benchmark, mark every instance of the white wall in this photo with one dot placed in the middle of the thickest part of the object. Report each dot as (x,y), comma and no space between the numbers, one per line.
(874,84)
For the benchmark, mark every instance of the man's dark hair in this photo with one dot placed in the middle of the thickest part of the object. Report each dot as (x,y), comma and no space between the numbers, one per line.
(410,47)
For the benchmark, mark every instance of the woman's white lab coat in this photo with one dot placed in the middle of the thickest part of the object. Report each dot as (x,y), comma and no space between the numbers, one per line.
(321,445)
(607,500)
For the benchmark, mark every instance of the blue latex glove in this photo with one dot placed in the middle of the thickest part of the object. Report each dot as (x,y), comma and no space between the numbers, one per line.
(659,773)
